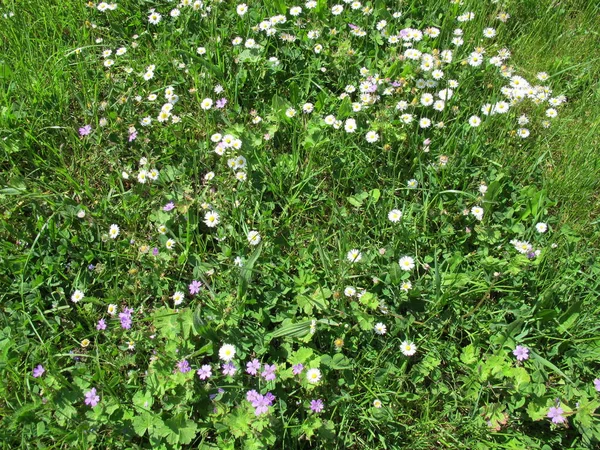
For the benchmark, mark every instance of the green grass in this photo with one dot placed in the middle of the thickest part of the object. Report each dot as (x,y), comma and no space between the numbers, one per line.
(561,39)
(313,193)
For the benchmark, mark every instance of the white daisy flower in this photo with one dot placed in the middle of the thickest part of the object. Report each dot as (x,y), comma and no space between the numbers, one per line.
(372,137)
(113,231)
(206,104)
(77,296)
(380,328)
(354,255)
(395,215)
(313,376)
(406,263)
(178,298)
(226,352)
(408,348)
(211,219)
(477,211)
(349,291)
(254,237)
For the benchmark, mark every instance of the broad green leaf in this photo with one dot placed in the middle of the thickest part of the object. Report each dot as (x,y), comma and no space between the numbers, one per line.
(298,329)
(375,194)
(247,270)
(142,423)
(469,354)
(369,300)
(181,430)
(301,355)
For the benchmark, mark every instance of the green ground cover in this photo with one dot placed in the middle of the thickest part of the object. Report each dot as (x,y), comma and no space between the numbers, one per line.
(316,225)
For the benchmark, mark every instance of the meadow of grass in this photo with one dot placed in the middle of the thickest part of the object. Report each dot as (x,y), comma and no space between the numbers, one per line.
(300,225)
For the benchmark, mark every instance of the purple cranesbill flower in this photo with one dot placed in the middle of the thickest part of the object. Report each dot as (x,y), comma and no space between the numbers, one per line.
(195,287)
(260,406)
(252,396)
(253,367)
(221,103)
(204,372)
(597,384)
(556,414)
(522,353)
(125,318)
(405,32)
(229,369)
(297,369)
(317,405)
(531,255)
(183,366)
(169,206)
(91,398)
(372,88)
(260,402)
(269,372)
(396,84)
(38,371)
(101,325)
(91,267)
(85,130)
(155,251)
(132,136)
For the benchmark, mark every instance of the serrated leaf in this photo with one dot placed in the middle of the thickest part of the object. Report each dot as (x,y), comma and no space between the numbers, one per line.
(143,400)
(142,423)
(369,300)
(301,355)
(536,412)
(340,362)
(469,354)
(319,298)
(181,431)
(521,376)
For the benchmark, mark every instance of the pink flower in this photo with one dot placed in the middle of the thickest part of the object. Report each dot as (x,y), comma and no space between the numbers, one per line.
(229,369)
(204,372)
(253,367)
(91,398)
(183,366)
(195,287)
(101,325)
(38,371)
(317,405)
(522,353)
(556,414)
(269,372)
